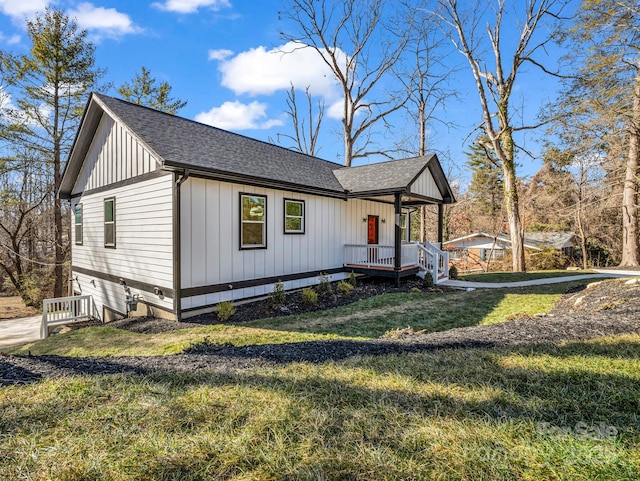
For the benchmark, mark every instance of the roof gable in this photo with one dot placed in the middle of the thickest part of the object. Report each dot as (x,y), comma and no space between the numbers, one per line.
(179,144)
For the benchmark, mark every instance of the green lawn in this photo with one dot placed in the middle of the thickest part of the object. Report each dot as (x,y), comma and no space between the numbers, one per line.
(566,412)
(369,318)
(543,413)
(520,276)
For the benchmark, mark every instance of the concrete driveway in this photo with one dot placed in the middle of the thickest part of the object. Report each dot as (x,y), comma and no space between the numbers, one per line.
(14,332)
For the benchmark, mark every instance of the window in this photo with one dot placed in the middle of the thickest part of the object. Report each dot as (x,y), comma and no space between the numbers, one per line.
(253,221)
(403,226)
(78,224)
(110,222)
(293,216)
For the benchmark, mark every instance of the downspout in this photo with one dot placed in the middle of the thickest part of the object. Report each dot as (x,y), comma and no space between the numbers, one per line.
(177,244)
(397,263)
(440,223)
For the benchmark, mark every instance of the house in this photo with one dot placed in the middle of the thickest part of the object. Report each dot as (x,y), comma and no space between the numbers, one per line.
(475,251)
(171,217)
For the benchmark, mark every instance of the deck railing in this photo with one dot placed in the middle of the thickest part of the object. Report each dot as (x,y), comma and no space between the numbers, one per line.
(427,256)
(369,255)
(65,310)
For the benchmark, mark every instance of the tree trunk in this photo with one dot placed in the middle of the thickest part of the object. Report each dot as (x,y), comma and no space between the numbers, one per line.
(505,151)
(57,205)
(630,193)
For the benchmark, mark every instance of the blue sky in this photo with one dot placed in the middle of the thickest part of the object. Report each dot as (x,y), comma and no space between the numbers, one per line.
(222,57)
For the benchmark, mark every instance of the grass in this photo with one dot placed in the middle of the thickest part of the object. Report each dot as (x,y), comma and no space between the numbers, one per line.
(13,307)
(366,319)
(108,341)
(520,276)
(431,312)
(547,412)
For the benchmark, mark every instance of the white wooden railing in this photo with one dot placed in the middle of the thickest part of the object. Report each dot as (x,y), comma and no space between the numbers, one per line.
(65,310)
(434,260)
(427,256)
(409,254)
(369,255)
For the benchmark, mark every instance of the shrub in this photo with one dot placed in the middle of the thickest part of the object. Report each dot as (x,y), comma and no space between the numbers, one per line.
(427,282)
(278,295)
(453,272)
(344,288)
(352,279)
(226,309)
(309,296)
(324,289)
(547,259)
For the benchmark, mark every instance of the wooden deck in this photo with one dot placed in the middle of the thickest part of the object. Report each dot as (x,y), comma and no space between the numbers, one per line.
(380,271)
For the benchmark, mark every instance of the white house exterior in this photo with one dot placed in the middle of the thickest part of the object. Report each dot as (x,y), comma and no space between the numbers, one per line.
(173,216)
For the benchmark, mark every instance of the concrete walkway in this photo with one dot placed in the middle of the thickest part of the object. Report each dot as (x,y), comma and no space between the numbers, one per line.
(15,332)
(599,274)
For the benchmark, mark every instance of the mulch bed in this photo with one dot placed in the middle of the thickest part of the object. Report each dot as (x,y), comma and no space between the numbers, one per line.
(602,309)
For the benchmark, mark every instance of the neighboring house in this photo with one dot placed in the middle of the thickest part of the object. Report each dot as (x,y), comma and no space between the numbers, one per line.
(175,216)
(475,251)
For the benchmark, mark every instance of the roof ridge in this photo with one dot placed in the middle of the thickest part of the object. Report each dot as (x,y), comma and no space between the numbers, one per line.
(216,128)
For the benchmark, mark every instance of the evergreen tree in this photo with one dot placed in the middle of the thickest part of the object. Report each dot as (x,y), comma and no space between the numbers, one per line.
(145,90)
(486,178)
(49,87)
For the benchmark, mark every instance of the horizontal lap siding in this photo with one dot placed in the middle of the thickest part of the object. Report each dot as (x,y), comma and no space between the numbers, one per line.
(210,238)
(144,240)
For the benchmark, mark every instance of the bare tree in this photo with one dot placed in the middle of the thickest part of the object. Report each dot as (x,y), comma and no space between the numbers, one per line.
(306,126)
(351,40)
(423,76)
(603,97)
(495,85)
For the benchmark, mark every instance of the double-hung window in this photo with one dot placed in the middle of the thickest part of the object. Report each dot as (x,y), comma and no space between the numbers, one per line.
(253,221)
(293,216)
(78,224)
(110,222)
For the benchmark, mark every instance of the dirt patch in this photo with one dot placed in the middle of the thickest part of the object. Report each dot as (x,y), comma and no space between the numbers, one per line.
(577,316)
(13,307)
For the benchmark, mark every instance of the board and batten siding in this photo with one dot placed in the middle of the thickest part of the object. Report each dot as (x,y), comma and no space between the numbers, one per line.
(210,238)
(144,243)
(426,186)
(114,155)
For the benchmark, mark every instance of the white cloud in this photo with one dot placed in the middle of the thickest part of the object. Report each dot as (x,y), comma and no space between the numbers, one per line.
(20,9)
(103,22)
(220,54)
(10,40)
(263,72)
(238,116)
(191,6)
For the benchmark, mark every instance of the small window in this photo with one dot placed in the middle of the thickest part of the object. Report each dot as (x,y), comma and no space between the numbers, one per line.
(78,224)
(110,222)
(293,216)
(253,221)
(404,218)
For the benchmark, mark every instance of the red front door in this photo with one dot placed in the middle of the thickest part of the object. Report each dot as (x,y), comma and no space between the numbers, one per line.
(372,229)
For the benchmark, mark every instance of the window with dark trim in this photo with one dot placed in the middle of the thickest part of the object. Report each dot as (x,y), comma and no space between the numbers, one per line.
(294,216)
(110,222)
(253,221)
(78,224)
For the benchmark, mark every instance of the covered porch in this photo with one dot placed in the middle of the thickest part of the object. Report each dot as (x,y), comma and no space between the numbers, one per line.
(408,184)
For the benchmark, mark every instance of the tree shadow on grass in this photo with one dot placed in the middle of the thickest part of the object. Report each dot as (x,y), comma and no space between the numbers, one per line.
(430,312)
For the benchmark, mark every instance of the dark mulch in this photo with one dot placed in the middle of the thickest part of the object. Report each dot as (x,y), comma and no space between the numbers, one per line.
(604,308)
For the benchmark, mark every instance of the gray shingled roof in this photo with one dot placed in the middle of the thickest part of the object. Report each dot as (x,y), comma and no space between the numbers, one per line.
(182,142)
(185,144)
(392,175)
